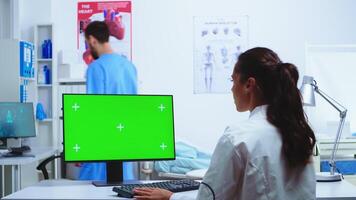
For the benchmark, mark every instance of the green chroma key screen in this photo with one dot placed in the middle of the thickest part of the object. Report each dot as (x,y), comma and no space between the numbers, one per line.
(118,127)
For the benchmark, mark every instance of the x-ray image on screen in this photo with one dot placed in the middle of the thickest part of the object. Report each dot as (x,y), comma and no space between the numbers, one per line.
(17,120)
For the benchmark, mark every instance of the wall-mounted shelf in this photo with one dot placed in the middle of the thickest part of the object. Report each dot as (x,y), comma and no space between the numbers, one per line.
(71,80)
(44,85)
(28,79)
(44,60)
(46,120)
(47,93)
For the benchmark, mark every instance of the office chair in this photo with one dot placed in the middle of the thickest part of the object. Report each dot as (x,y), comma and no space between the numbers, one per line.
(43,164)
(67,172)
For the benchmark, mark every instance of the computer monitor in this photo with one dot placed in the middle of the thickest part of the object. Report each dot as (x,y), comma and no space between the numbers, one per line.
(17,120)
(116,128)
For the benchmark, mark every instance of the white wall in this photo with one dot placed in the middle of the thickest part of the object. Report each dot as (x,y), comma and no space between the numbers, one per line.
(163,47)
(31,13)
(4,19)
(333,67)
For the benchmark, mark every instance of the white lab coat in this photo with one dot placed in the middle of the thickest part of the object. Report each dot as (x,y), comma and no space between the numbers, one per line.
(247,164)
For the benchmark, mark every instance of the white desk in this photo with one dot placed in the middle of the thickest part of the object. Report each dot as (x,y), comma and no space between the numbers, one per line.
(66,189)
(196,174)
(34,155)
(342,190)
(78,190)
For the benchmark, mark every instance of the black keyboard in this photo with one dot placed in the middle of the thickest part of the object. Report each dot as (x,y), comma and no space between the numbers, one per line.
(126,190)
(20,149)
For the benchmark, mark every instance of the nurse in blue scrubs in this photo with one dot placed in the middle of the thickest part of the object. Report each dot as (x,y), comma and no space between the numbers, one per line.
(109,73)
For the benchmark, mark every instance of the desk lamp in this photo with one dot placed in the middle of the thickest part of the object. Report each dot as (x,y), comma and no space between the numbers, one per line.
(309,86)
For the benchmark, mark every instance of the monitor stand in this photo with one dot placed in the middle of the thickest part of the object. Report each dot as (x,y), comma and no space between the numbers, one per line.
(3,143)
(114,174)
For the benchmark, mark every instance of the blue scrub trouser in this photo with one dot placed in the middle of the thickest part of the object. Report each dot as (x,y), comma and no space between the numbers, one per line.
(97,171)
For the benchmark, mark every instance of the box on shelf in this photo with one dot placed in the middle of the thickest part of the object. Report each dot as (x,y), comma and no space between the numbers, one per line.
(68,57)
(71,71)
(71,67)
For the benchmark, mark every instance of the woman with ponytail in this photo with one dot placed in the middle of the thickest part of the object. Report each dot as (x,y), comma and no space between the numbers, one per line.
(269,155)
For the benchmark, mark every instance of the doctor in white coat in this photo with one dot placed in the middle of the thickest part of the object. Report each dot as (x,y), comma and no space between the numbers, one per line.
(269,155)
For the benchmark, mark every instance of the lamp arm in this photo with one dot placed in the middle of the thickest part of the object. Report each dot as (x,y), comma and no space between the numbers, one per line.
(330,100)
(342,111)
(336,144)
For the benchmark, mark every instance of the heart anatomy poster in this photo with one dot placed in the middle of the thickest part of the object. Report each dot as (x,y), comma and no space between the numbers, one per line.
(117,15)
(218,42)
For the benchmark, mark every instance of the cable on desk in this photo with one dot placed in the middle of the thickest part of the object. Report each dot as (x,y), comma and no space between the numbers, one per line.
(211,189)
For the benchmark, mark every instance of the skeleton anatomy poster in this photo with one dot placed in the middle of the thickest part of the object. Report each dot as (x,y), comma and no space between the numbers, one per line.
(117,15)
(218,41)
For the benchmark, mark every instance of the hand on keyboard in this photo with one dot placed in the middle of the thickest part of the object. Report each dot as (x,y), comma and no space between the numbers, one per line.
(158,189)
(152,193)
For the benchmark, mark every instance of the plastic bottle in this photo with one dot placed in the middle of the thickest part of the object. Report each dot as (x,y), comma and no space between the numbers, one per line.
(47,74)
(44,49)
(40,113)
(41,78)
(49,48)
(32,72)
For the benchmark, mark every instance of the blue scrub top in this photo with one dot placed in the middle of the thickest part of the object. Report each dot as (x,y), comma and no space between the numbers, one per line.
(109,74)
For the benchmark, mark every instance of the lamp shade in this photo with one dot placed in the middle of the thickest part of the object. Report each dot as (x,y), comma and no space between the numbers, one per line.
(307,91)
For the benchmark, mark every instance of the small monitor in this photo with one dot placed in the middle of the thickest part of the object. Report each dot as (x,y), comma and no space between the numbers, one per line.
(17,120)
